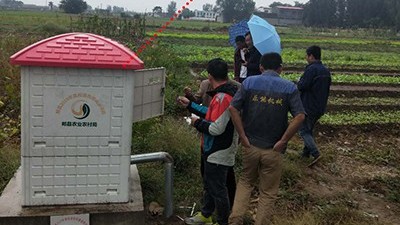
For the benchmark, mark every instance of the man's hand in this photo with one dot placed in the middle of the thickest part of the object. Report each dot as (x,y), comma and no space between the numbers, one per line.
(187,91)
(280,146)
(183,101)
(194,119)
(245,142)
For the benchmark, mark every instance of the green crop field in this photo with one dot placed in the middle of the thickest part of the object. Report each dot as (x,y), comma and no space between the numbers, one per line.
(353,78)
(285,39)
(369,61)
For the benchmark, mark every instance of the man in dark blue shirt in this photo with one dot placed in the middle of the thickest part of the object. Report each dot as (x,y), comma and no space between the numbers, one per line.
(264,102)
(314,86)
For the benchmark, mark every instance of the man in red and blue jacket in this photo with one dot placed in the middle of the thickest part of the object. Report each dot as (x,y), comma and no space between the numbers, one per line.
(219,143)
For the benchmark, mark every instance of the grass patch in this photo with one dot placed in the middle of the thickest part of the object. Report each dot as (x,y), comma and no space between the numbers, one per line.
(338,215)
(50,28)
(294,200)
(291,174)
(182,143)
(9,163)
(304,218)
(152,182)
(172,136)
(387,186)
(329,216)
(10,79)
(178,74)
(388,155)
(26,21)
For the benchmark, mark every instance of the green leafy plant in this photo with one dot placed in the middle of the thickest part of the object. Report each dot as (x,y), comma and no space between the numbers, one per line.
(9,162)
(353,78)
(363,101)
(361,117)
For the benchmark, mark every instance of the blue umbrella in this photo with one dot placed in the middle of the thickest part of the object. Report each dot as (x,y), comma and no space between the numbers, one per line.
(237,29)
(265,37)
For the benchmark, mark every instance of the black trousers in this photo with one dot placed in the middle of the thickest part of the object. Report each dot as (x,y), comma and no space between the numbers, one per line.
(215,196)
(230,181)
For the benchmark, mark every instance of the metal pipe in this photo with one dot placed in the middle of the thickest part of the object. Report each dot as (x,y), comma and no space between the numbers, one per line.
(168,174)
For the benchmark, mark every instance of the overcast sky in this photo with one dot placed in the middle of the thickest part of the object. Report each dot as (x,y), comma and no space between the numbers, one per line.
(148,5)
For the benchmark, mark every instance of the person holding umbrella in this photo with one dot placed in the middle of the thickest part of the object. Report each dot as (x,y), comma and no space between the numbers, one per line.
(239,59)
(252,56)
(264,36)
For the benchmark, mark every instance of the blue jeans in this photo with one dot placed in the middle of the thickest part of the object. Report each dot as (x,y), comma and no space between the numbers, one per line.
(215,192)
(306,132)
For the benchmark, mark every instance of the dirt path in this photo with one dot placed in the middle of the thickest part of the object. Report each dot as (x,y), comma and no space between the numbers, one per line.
(358,162)
(356,108)
(365,91)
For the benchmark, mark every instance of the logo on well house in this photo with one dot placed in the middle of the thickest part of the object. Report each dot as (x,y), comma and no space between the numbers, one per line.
(80,109)
(82,105)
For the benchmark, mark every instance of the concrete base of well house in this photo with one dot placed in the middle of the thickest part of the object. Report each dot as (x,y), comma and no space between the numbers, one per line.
(12,212)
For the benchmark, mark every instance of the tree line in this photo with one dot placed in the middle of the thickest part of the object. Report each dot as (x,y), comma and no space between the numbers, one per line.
(317,13)
(326,13)
(353,13)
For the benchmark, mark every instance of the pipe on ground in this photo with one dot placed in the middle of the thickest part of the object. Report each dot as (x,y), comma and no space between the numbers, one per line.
(168,174)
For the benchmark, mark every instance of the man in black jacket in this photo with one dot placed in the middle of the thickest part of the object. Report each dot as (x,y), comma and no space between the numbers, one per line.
(253,57)
(314,86)
(239,59)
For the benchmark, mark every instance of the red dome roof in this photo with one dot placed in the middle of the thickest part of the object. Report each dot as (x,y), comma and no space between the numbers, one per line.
(82,50)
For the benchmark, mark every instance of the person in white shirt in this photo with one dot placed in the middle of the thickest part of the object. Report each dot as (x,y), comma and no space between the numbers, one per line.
(239,59)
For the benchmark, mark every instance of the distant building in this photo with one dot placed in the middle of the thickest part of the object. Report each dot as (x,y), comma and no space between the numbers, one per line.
(205,15)
(282,15)
(290,13)
(34,7)
(264,9)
